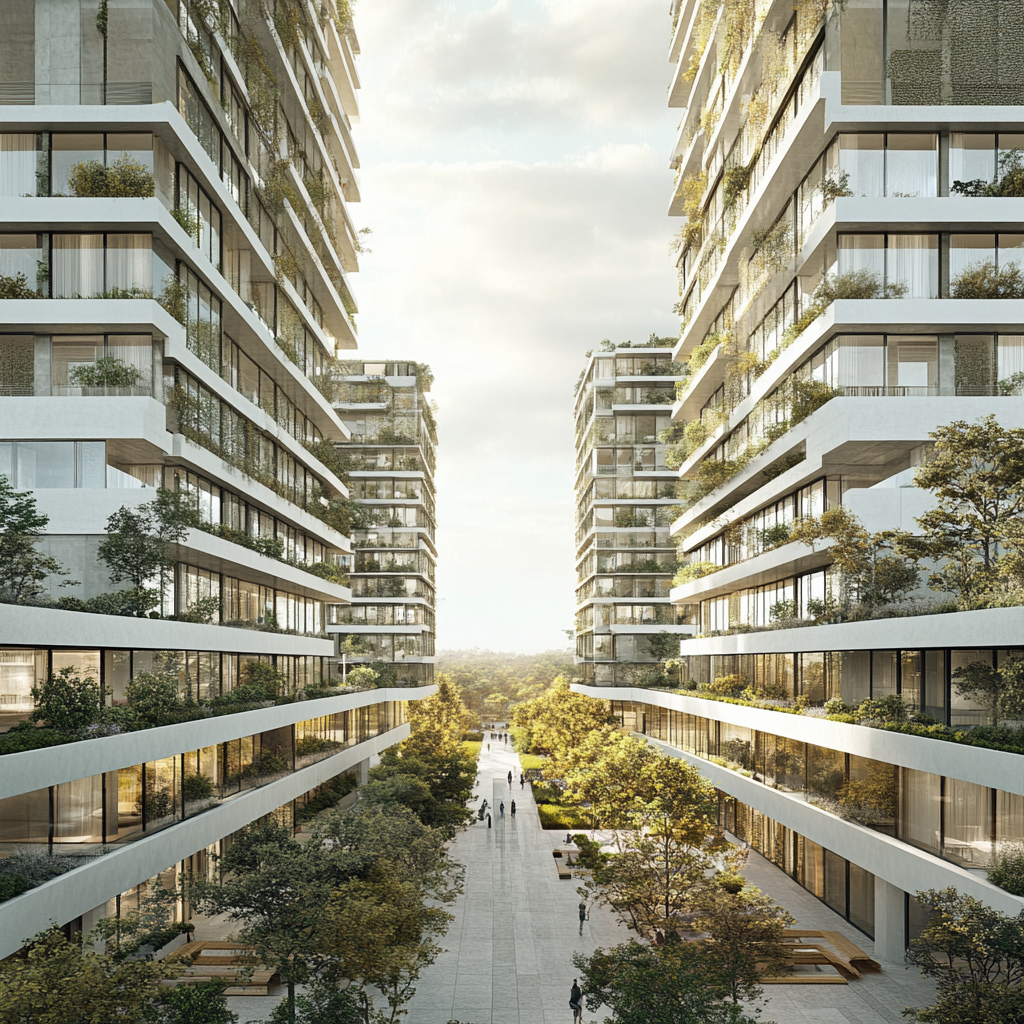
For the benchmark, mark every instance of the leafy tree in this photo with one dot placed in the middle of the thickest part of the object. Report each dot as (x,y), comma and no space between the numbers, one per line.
(666,826)
(59,981)
(202,1003)
(745,937)
(876,568)
(439,721)
(23,568)
(616,773)
(152,697)
(558,720)
(321,1003)
(448,781)
(976,957)
(276,888)
(67,702)
(663,645)
(383,932)
(134,554)
(976,472)
(669,984)
(136,548)
(999,690)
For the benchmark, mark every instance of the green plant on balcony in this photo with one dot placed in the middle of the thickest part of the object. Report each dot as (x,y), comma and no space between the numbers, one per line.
(734,184)
(1012,385)
(16,287)
(196,786)
(728,685)
(986,281)
(774,536)
(694,571)
(189,222)
(700,355)
(773,246)
(105,372)
(691,190)
(1009,179)
(328,571)
(834,186)
(126,177)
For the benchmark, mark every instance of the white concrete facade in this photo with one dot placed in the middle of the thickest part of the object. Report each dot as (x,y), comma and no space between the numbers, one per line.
(176,263)
(793,165)
(624,498)
(390,622)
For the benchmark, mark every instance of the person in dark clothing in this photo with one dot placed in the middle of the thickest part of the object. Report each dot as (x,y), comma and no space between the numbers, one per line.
(522,780)
(583,916)
(510,777)
(576,1001)
(488,821)
(501,808)
(513,808)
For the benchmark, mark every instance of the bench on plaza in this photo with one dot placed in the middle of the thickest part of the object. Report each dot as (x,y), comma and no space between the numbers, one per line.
(844,947)
(564,871)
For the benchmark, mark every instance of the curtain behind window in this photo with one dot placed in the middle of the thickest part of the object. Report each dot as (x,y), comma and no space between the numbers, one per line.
(913,261)
(17,165)
(77,266)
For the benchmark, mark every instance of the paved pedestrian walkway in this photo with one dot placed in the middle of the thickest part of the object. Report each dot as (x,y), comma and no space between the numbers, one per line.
(509,949)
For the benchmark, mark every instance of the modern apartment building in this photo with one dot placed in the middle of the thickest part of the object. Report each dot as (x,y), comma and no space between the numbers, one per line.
(391,458)
(176,253)
(840,174)
(625,495)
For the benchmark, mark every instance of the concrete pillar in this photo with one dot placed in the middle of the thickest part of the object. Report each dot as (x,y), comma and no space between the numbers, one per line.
(59,51)
(362,770)
(890,921)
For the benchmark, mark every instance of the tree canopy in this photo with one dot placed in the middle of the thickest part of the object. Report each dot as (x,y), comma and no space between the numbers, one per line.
(558,720)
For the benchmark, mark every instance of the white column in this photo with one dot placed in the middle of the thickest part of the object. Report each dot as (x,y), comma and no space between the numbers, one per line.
(890,921)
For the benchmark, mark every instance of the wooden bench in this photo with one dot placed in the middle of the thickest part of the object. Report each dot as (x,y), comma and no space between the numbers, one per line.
(847,950)
(564,871)
(851,951)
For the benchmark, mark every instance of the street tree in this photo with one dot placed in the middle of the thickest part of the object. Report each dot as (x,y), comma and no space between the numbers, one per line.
(23,568)
(448,780)
(321,1002)
(744,941)
(276,889)
(668,984)
(200,1003)
(438,723)
(60,981)
(383,931)
(558,720)
(976,957)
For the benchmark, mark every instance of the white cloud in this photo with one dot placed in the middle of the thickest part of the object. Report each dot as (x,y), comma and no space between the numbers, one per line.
(503,250)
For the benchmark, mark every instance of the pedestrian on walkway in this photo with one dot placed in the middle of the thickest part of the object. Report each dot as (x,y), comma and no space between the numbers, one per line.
(522,780)
(488,748)
(510,777)
(576,1001)
(513,808)
(501,807)
(583,915)
(488,821)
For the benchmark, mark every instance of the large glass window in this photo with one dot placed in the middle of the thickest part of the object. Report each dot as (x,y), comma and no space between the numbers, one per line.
(48,464)
(18,164)
(116,266)
(200,214)
(920,809)
(23,272)
(911,165)
(905,266)
(975,157)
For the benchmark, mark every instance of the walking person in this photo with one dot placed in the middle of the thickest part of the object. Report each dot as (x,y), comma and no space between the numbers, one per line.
(583,915)
(488,821)
(510,777)
(501,808)
(522,780)
(513,808)
(576,1002)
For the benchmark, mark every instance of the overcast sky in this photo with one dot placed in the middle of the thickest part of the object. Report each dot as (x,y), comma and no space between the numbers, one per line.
(515,177)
